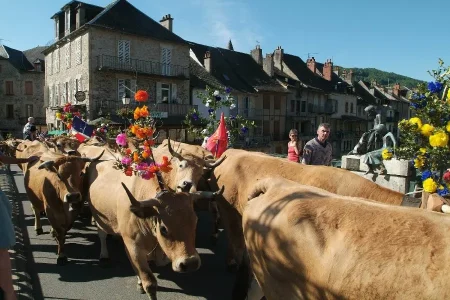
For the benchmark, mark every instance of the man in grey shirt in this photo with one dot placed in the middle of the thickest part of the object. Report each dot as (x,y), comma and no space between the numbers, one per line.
(318,151)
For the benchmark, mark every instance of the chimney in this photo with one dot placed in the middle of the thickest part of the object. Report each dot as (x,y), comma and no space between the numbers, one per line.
(328,70)
(278,58)
(230,46)
(396,89)
(311,63)
(207,61)
(349,77)
(257,55)
(336,70)
(80,18)
(268,65)
(167,22)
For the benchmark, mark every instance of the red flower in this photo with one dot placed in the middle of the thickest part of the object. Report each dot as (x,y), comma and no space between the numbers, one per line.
(446,176)
(129,172)
(141,96)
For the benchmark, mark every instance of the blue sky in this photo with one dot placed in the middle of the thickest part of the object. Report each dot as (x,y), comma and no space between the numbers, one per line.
(390,35)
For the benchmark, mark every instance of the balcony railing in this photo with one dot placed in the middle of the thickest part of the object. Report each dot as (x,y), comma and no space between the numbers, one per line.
(168,109)
(108,62)
(327,109)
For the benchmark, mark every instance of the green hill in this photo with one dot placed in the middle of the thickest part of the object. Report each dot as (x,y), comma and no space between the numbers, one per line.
(381,77)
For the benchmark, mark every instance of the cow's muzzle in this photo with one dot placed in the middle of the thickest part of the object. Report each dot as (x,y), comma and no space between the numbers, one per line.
(185,186)
(72,197)
(187,264)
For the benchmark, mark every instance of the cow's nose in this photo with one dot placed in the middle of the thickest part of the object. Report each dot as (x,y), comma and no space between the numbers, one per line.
(187,186)
(189,264)
(71,152)
(72,197)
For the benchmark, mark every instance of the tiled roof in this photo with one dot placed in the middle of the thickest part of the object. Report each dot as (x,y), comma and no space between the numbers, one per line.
(364,93)
(200,78)
(122,16)
(35,54)
(16,58)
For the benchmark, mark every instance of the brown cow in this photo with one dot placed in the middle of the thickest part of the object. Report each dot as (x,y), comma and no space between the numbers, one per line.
(54,185)
(242,169)
(306,243)
(154,219)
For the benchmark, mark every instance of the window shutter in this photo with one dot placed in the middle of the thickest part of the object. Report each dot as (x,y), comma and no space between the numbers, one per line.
(80,83)
(57,94)
(50,96)
(50,65)
(126,50)
(174,93)
(163,61)
(120,51)
(73,90)
(78,51)
(120,89)
(68,56)
(168,60)
(158,92)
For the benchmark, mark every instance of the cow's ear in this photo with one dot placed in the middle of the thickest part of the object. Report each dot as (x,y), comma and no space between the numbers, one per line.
(143,212)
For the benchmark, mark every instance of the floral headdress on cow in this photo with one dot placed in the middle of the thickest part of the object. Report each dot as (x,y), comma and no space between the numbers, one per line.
(138,159)
(67,113)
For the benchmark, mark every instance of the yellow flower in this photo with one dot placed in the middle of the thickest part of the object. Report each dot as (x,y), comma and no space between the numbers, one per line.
(423,150)
(448,124)
(426,129)
(419,162)
(416,121)
(448,95)
(429,185)
(386,154)
(439,139)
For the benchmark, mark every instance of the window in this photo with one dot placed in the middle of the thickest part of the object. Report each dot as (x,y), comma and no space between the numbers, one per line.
(303,106)
(123,51)
(56,58)
(165,92)
(67,19)
(38,67)
(166,60)
(346,107)
(66,92)
(78,51)
(277,102)
(125,87)
(351,107)
(266,102)
(29,110)
(9,88)
(276,130)
(28,88)
(9,111)
(57,28)
(266,127)
(292,105)
(68,55)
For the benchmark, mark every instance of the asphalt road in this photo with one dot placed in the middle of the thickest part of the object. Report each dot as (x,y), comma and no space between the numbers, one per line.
(83,278)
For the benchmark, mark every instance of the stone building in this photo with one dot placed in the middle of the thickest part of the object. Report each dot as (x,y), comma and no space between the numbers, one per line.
(110,53)
(21,89)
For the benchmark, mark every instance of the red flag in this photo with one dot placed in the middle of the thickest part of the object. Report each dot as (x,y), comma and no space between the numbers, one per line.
(218,142)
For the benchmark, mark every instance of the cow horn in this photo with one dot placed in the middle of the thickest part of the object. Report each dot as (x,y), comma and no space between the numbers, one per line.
(172,152)
(88,159)
(156,135)
(208,194)
(133,200)
(47,165)
(216,163)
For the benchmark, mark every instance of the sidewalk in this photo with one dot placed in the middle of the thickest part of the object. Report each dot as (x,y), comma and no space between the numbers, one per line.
(19,254)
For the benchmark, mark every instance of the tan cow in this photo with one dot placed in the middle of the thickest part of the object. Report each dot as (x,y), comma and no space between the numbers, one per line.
(54,185)
(306,243)
(9,146)
(242,169)
(154,219)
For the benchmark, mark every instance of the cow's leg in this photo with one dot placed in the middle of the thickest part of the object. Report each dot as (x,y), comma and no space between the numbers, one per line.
(37,221)
(216,219)
(104,255)
(59,232)
(138,259)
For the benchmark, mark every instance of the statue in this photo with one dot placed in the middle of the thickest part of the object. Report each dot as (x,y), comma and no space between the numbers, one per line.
(369,139)
(373,158)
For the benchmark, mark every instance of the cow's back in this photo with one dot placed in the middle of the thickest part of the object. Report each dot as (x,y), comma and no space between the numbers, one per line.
(306,244)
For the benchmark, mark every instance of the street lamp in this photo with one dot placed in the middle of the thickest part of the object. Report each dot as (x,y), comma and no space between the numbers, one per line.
(125,100)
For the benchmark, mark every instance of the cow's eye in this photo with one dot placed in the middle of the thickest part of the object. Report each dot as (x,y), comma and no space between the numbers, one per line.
(163,230)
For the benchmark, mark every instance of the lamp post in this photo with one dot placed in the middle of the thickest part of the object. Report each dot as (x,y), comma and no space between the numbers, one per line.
(126,101)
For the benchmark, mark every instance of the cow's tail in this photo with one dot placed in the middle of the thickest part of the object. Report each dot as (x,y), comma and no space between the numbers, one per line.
(244,278)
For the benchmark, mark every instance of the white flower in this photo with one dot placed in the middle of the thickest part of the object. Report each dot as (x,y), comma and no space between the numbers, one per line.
(232,106)
(230,98)
(216,93)
(205,131)
(207,104)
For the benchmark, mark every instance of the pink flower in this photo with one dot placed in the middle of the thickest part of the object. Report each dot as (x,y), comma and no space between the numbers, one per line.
(121,139)
(141,166)
(126,160)
(446,176)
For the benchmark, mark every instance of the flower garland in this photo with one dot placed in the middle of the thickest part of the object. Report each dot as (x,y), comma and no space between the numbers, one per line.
(67,114)
(425,137)
(140,161)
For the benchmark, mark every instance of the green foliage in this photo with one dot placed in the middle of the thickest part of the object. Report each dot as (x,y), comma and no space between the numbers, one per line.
(204,126)
(381,77)
(9,136)
(424,137)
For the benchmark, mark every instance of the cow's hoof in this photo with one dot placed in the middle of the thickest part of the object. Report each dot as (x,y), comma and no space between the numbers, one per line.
(62,261)
(39,231)
(104,262)
(140,289)
(232,267)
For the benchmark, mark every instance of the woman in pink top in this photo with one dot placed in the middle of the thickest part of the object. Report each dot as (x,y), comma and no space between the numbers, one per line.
(294,148)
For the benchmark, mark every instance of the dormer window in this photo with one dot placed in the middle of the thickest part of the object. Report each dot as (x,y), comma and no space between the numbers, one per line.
(67,21)
(57,28)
